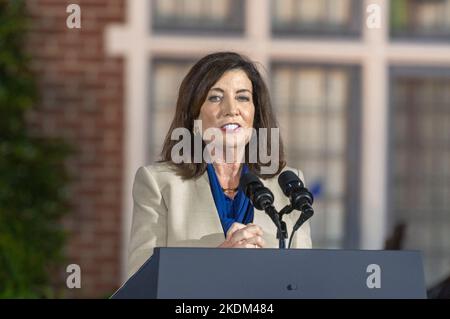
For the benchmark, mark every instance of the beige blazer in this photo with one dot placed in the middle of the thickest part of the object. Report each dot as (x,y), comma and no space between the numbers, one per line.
(170,212)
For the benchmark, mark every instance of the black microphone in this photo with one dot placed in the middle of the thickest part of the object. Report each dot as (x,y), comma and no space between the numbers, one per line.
(260,196)
(300,197)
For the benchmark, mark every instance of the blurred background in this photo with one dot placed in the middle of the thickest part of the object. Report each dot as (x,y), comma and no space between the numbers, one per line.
(364,111)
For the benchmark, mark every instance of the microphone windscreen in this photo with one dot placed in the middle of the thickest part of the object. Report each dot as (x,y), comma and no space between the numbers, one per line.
(286,178)
(247,179)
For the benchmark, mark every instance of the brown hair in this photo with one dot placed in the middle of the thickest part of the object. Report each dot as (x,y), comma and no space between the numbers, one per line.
(192,94)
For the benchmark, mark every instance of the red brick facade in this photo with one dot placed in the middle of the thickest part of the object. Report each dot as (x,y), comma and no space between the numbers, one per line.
(81,99)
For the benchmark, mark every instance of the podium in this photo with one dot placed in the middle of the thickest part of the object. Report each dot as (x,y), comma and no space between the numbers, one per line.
(218,273)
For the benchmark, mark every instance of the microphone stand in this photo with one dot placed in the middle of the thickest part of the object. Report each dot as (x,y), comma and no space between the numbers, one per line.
(282,234)
(286,210)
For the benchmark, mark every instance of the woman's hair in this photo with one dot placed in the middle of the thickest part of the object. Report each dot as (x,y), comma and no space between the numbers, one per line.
(192,94)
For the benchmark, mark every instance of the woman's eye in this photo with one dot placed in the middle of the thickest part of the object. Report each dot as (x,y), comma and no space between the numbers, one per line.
(214,98)
(243,98)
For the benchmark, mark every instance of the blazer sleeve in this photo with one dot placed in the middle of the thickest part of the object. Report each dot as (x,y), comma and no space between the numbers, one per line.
(302,238)
(149,221)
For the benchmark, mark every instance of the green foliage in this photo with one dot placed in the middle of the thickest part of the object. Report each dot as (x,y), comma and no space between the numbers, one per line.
(32,174)
(399,14)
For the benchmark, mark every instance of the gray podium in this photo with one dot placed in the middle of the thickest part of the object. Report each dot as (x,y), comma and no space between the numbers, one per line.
(211,273)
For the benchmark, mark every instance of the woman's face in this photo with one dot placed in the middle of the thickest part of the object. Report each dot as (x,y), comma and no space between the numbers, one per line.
(229,107)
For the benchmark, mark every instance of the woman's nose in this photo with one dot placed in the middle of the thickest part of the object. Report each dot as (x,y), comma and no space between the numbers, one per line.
(230,107)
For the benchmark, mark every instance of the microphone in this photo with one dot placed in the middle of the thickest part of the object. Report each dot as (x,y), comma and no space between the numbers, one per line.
(300,197)
(260,196)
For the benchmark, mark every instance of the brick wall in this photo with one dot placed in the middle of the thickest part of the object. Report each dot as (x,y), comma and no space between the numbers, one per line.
(81,99)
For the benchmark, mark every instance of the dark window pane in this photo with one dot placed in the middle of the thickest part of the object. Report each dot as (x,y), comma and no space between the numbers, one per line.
(316,17)
(165,82)
(312,105)
(420,163)
(427,20)
(198,16)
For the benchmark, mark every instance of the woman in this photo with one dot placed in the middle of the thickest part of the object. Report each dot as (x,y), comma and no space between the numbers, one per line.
(196,203)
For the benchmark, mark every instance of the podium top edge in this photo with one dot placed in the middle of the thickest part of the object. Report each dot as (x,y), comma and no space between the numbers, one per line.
(292,249)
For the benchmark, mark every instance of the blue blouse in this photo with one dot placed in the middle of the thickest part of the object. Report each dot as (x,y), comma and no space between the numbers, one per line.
(230,210)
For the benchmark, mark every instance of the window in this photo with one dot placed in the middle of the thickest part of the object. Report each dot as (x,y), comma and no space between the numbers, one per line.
(420,164)
(425,20)
(318,17)
(198,16)
(317,115)
(165,81)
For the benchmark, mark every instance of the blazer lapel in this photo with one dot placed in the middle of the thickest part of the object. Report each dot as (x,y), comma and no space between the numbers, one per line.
(207,205)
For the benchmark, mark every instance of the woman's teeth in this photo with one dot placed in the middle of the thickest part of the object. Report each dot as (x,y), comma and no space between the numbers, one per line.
(230,127)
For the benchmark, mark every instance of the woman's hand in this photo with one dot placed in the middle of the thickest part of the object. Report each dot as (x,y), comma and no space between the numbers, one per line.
(243,236)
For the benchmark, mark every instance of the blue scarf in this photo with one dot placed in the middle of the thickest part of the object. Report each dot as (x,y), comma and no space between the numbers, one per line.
(230,210)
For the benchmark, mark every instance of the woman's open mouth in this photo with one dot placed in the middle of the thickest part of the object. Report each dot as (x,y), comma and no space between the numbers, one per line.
(230,127)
